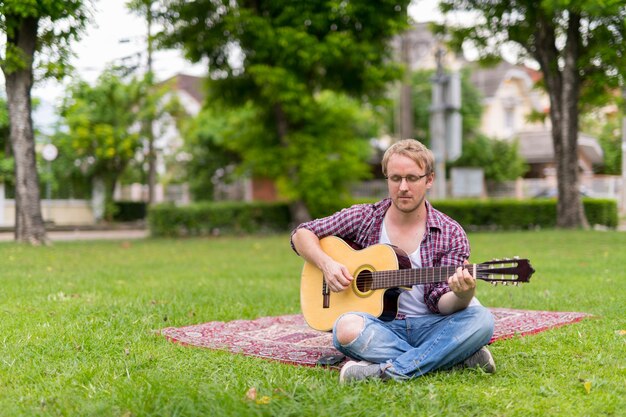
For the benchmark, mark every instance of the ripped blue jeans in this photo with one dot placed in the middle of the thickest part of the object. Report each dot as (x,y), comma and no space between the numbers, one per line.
(413,346)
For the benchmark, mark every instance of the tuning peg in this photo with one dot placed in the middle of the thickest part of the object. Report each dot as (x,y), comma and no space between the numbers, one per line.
(494,283)
(516,284)
(516,258)
(505,283)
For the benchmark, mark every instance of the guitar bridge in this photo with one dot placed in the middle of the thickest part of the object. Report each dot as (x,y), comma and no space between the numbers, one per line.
(325,295)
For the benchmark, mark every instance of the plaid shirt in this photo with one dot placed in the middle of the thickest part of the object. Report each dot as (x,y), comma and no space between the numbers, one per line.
(444,243)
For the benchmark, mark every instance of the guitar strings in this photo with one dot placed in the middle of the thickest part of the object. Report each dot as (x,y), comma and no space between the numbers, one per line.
(420,276)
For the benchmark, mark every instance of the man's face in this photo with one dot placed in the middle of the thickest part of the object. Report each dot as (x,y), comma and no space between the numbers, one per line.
(407,183)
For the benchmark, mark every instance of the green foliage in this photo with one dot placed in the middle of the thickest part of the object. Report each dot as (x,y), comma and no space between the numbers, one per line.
(206,219)
(6,160)
(315,45)
(522,214)
(59,23)
(290,56)
(611,142)
(609,134)
(208,159)
(97,136)
(324,155)
(499,159)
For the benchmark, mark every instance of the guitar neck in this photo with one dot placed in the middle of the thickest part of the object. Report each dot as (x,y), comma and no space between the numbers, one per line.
(410,277)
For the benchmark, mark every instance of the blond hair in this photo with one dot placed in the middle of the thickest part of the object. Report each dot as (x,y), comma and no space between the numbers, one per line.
(413,149)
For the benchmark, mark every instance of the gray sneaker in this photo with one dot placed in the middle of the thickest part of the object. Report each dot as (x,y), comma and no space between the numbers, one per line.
(357,371)
(481,359)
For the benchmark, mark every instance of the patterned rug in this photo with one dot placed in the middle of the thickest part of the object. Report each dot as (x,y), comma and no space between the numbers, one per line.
(289,339)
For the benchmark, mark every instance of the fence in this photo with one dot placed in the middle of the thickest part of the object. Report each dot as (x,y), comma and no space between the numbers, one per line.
(605,186)
(57,212)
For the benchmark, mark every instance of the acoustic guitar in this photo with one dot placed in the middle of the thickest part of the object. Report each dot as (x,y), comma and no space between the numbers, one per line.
(381,272)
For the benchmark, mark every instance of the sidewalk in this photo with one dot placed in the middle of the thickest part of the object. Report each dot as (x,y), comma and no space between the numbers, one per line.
(78,234)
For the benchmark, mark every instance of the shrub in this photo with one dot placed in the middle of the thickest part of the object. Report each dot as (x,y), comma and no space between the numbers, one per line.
(212,218)
(128,211)
(522,214)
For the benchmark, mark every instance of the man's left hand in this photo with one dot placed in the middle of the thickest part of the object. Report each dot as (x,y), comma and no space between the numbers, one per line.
(462,283)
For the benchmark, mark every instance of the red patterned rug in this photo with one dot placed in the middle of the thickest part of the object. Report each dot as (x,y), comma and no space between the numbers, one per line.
(289,339)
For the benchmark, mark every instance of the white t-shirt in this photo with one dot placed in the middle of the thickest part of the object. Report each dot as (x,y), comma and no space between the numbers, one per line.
(411,303)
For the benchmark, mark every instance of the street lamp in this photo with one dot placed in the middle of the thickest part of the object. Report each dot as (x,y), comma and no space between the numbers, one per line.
(49,153)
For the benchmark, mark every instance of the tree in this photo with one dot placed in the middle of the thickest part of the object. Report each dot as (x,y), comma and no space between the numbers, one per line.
(499,159)
(276,58)
(209,159)
(100,131)
(580,47)
(43,29)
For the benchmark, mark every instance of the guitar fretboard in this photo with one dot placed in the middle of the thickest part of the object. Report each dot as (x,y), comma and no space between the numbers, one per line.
(409,277)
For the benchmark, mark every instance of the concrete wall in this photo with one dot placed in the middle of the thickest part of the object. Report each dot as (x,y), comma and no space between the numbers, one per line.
(57,212)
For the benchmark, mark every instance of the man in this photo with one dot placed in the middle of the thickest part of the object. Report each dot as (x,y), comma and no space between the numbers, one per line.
(438,325)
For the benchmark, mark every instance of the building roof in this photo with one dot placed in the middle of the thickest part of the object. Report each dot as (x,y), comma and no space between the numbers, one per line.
(536,147)
(488,80)
(191,84)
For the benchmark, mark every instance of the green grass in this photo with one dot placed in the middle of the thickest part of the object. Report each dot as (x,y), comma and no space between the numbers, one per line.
(79,322)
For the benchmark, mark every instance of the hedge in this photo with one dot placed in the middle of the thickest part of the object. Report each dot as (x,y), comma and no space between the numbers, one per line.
(201,219)
(128,211)
(522,214)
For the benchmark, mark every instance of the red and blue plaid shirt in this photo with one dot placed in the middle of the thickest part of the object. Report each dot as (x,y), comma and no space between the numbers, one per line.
(444,243)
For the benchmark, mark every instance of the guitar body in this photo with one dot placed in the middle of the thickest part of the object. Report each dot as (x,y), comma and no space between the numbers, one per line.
(380,273)
(320,311)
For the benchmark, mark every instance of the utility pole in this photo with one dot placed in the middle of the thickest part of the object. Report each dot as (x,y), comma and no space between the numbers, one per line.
(406,109)
(438,127)
(148,123)
(623,191)
(445,122)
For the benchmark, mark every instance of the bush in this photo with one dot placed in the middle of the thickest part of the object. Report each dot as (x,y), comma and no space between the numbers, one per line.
(212,218)
(128,211)
(522,214)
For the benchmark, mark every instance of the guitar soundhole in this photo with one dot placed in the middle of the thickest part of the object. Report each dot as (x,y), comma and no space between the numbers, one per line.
(364,281)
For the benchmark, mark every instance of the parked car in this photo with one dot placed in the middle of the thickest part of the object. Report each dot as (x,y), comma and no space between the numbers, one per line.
(553,193)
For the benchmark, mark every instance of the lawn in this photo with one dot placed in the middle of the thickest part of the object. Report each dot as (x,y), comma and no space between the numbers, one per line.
(80,321)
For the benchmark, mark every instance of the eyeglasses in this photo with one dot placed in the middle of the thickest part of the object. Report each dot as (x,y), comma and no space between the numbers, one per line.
(411,179)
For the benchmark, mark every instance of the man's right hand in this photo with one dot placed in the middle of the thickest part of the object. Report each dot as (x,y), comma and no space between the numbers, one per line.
(307,245)
(336,275)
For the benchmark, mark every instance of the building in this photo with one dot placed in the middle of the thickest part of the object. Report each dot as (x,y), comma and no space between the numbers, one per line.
(509,99)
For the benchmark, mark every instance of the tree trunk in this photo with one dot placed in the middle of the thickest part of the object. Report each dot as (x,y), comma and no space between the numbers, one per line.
(29,225)
(563,85)
(570,210)
(298,209)
(109,190)
(152,174)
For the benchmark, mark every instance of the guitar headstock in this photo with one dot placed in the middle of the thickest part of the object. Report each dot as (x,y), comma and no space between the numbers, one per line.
(505,271)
